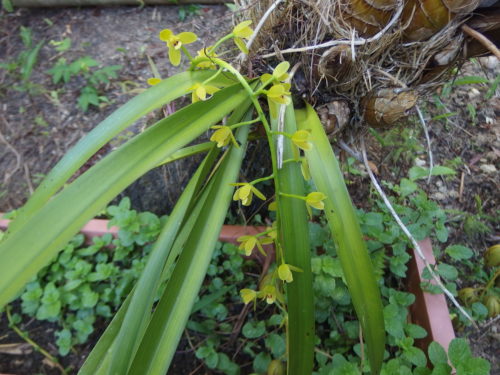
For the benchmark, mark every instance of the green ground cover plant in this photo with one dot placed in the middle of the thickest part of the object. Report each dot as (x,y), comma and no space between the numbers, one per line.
(89,282)
(86,68)
(21,68)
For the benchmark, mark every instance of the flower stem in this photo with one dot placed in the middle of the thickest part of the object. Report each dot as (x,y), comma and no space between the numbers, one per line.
(262,179)
(221,40)
(262,117)
(186,52)
(292,196)
(244,123)
(212,77)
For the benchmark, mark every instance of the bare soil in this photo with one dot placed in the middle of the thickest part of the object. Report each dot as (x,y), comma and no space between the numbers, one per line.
(37,128)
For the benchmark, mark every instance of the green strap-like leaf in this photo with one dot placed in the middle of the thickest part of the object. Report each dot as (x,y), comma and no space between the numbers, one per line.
(351,249)
(297,252)
(156,96)
(140,302)
(24,252)
(170,317)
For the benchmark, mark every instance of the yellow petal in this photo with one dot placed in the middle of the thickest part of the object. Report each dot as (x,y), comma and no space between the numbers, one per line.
(153,81)
(246,191)
(266,240)
(166,35)
(187,37)
(242,30)
(211,89)
(301,139)
(241,45)
(247,201)
(258,193)
(201,92)
(174,56)
(315,199)
(265,77)
(249,245)
(248,295)
(281,70)
(304,168)
(276,91)
(284,273)
(222,136)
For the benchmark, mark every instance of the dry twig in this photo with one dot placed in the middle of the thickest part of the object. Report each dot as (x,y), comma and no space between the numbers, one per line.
(412,239)
(241,58)
(14,151)
(351,42)
(428,139)
(482,39)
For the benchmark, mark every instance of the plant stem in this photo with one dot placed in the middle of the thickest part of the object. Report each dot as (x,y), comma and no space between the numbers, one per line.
(489,284)
(186,52)
(221,40)
(262,179)
(262,117)
(293,196)
(244,123)
(37,347)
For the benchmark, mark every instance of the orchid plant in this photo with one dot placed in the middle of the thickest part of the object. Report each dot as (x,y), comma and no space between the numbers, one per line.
(144,333)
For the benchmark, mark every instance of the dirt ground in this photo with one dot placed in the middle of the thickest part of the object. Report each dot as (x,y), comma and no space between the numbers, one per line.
(37,128)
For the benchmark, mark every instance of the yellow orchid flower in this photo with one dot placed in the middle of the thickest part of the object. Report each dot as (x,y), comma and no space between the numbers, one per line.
(248,243)
(279,93)
(315,199)
(153,81)
(269,293)
(206,52)
(248,295)
(223,135)
(273,232)
(245,193)
(175,42)
(266,77)
(242,31)
(280,73)
(200,91)
(285,273)
(301,139)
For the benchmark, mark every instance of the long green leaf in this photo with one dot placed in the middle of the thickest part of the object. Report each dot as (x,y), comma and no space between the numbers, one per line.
(351,249)
(138,314)
(139,308)
(156,96)
(24,252)
(97,357)
(170,317)
(297,252)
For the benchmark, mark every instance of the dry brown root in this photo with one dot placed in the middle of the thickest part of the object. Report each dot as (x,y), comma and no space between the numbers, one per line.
(378,55)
